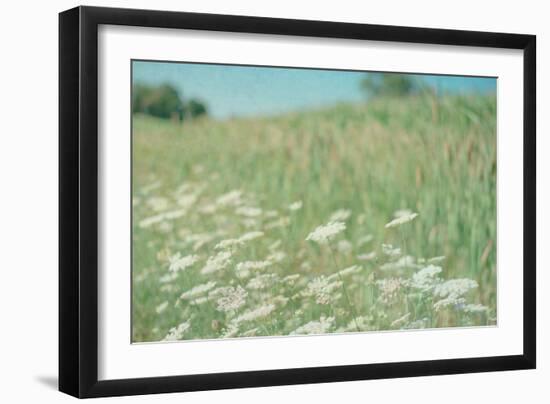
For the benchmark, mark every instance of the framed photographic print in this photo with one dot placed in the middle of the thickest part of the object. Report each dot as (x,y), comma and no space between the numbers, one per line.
(251,201)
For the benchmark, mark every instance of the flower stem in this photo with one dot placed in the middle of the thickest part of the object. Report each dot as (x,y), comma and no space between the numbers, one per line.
(351,309)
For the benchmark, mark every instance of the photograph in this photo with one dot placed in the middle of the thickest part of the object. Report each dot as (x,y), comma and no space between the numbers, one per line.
(272,201)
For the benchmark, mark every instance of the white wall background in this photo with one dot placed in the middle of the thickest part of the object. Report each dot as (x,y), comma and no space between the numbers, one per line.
(28,199)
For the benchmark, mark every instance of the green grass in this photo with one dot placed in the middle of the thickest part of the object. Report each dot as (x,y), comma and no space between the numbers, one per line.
(436,157)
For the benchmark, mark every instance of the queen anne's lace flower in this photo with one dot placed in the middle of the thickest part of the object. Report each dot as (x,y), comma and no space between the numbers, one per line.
(254,314)
(262,281)
(198,290)
(341,215)
(322,288)
(452,292)
(248,211)
(179,263)
(323,234)
(402,219)
(426,278)
(390,250)
(176,333)
(295,206)
(217,262)
(231,298)
(315,327)
(232,198)
(367,257)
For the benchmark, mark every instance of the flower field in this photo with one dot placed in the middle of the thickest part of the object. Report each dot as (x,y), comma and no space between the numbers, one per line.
(354,218)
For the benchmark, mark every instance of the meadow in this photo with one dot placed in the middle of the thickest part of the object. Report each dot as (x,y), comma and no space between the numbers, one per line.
(356,217)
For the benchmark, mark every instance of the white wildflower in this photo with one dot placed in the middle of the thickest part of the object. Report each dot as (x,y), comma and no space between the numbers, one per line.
(186,201)
(198,290)
(168,277)
(250,222)
(452,292)
(208,209)
(323,234)
(161,217)
(291,279)
(254,314)
(165,227)
(179,263)
(389,289)
(322,288)
(243,269)
(199,240)
(231,298)
(242,273)
(253,265)
(315,327)
(367,257)
(305,266)
(344,246)
(248,211)
(402,263)
(390,250)
(405,218)
(227,244)
(276,256)
(250,236)
(295,206)
(158,203)
(198,301)
(262,281)
(161,307)
(280,300)
(426,278)
(449,301)
(217,262)
(436,260)
(232,198)
(184,188)
(149,221)
(354,269)
(174,214)
(176,333)
(341,215)
(402,212)
(455,287)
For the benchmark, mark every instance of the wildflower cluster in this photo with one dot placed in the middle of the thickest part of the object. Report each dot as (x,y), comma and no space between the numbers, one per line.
(225,267)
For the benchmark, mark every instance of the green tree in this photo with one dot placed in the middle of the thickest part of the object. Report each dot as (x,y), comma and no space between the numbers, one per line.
(390,84)
(196,108)
(162,101)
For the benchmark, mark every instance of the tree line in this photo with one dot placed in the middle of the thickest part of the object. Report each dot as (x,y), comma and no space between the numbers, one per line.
(165,102)
(392,85)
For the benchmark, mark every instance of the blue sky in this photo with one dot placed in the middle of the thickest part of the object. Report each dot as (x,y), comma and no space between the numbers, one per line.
(230,90)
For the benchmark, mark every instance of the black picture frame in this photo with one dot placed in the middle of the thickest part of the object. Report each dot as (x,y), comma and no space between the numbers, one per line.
(78,201)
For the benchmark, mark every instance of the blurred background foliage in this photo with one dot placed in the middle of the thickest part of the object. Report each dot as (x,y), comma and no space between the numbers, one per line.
(165,102)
